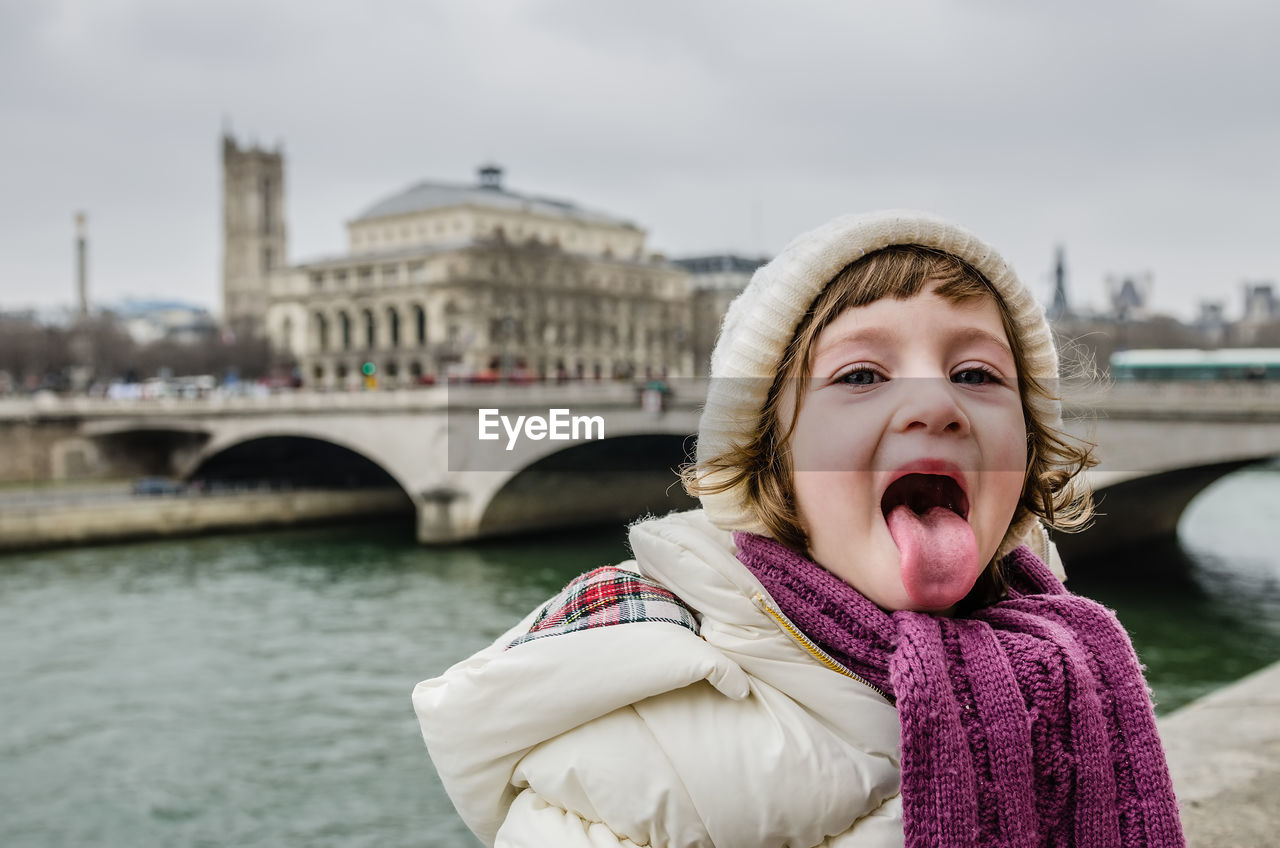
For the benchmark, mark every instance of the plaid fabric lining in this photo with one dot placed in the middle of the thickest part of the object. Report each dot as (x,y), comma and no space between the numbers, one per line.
(605,597)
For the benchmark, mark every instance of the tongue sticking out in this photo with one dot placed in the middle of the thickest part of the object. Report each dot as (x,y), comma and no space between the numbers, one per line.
(939,555)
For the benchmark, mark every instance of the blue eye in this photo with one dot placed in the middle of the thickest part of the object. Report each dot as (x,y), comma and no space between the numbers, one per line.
(861,376)
(975,377)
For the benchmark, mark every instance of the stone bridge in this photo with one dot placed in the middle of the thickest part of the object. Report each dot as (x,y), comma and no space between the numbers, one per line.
(1160,445)
(425,441)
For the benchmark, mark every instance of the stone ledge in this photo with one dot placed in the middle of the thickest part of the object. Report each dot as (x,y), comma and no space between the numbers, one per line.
(1224,755)
(24,528)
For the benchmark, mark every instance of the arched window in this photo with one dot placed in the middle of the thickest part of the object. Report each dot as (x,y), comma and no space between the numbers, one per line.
(322,332)
(345,321)
(370,329)
(420,325)
(393,326)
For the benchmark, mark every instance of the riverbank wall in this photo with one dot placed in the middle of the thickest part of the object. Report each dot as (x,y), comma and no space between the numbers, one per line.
(45,525)
(1224,755)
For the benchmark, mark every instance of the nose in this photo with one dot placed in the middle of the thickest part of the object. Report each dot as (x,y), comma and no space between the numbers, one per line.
(929,405)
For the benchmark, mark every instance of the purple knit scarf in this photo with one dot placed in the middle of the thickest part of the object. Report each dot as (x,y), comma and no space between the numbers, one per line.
(1026,723)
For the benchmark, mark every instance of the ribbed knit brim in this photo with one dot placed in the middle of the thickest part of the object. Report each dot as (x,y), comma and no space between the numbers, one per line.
(761,322)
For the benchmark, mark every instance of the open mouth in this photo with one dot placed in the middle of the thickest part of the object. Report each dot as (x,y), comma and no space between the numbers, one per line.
(923,492)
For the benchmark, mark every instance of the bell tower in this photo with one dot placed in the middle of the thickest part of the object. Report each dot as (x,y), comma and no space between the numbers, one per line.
(254,239)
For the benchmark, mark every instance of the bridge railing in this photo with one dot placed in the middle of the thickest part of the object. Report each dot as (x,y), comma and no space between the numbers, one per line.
(1206,399)
(1201,399)
(604,393)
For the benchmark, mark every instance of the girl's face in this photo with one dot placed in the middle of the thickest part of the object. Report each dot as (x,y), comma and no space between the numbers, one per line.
(909,452)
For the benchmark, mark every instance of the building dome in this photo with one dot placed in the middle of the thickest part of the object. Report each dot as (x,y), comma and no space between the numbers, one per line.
(487,192)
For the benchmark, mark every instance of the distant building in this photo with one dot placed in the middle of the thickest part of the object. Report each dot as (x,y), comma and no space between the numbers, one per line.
(472,281)
(1061,307)
(1260,321)
(1211,323)
(254,239)
(1128,296)
(149,321)
(714,281)
(1260,304)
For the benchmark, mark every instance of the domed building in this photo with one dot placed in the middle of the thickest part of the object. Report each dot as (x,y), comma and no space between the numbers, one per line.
(440,281)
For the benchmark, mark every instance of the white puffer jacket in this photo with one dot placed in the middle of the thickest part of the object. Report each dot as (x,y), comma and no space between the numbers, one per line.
(647,734)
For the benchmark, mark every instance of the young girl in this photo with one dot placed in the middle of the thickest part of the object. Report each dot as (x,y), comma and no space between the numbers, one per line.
(856,640)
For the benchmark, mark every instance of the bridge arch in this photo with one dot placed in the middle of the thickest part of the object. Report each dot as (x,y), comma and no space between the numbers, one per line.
(133,447)
(293,458)
(1136,510)
(609,480)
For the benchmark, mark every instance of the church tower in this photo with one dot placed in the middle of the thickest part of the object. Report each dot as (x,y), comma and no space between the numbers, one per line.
(1060,308)
(254,241)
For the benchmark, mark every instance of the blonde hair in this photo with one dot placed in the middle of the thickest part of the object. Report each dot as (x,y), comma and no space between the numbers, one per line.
(763,464)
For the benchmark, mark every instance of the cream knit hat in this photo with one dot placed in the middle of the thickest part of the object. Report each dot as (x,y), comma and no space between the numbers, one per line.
(760,323)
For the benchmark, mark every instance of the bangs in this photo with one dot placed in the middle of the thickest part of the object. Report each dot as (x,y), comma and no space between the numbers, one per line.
(899,272)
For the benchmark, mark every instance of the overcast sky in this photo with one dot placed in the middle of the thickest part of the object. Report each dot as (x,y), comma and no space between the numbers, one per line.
(1142,136)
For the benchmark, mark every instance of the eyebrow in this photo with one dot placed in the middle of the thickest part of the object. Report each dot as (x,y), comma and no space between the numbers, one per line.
(873,335)
(870,335)
(974,334)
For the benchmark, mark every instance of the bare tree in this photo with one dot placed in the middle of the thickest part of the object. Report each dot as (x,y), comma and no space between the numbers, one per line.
(518,276)
(40,356)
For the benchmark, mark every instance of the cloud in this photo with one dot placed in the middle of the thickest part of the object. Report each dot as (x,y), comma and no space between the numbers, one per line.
(1138,134)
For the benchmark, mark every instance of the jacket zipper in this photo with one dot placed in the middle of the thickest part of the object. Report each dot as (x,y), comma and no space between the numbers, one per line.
(806,643)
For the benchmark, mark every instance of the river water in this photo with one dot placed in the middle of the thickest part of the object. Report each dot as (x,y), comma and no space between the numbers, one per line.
(253,690)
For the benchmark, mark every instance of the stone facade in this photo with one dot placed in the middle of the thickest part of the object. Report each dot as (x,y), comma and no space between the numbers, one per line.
(254,239)
(479,283)
(714,281)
